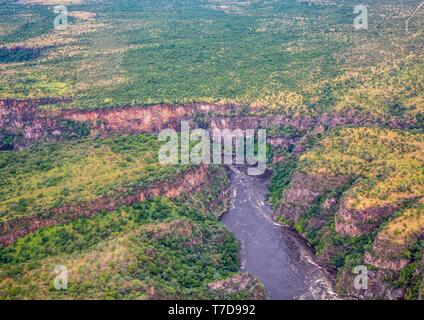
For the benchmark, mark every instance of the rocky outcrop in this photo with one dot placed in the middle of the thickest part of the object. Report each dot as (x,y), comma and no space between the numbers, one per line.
(385,261)
(243,282)
(260,121)
(385,264)
(388,259)
(282,142)
(188,182)
(353,222)
(303,190)
(144,119)
(24,117)
(377,285)
(386,255)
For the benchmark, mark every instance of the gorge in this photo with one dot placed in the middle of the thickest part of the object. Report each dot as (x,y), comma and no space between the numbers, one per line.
(270,251)
(279,258)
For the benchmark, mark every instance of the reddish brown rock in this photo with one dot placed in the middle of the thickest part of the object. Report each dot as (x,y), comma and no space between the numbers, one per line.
(304,188)
(239,283)
(188,182)
(377,285)
(352,222)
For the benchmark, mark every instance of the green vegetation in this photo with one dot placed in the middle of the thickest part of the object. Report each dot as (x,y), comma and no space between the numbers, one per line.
(406,226)
(157,249)
(411,276)
(18,55)
(280,179)
(284,131)
(50,176)
(297,57)
(387,162)
(390,92)
(385,169)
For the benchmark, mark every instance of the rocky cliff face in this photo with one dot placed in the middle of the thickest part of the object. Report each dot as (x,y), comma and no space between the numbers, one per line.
(356,223)
(188,182)
(240,283)
(23,120)
(29,123)
(146,119)
(309,204)
(260,121)
(304,189)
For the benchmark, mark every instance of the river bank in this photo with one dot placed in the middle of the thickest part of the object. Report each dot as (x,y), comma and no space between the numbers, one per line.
(273,253)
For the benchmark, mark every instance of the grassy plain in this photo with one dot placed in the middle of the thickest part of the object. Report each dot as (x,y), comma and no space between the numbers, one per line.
(294,57)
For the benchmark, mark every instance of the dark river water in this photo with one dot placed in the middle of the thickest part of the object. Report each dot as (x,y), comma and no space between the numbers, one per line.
(276,255)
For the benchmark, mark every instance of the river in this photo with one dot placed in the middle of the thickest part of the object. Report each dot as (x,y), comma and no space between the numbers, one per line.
(273,253)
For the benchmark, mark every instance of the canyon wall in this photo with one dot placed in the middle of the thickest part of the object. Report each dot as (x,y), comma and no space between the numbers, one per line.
(309,201)
(314,205)
(188,182)
(146,119)
(28,123)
